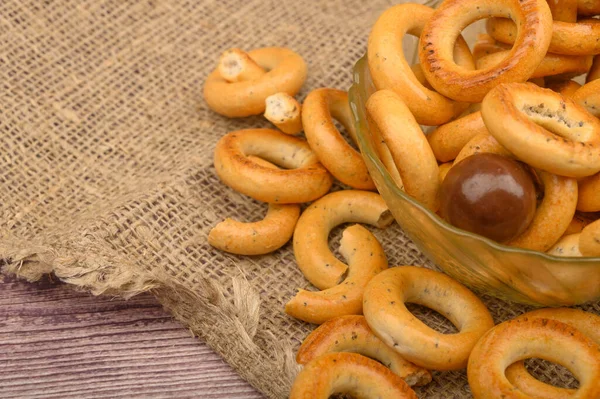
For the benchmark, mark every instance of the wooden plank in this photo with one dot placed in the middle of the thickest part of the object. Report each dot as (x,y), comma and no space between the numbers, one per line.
(59,343)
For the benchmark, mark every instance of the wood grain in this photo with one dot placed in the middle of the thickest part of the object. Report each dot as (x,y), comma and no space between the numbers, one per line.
(59,343)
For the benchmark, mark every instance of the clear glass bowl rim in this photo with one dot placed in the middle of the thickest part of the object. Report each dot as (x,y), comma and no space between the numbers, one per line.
(367,151)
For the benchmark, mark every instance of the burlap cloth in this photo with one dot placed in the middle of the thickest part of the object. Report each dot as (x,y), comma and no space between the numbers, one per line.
(106,172)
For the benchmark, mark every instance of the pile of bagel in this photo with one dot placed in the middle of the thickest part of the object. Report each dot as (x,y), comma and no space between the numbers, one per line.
(512,95)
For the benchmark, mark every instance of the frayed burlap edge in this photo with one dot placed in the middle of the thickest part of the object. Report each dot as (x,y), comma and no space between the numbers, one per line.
(205,311)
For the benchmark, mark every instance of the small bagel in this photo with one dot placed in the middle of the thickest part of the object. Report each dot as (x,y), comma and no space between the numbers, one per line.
(518,116)
(365,258)
(588,8)
(447,140)
(343,162)
(408,146)
(585,322)
(563,10)
(588,96)
(352,334)
(594,72)
(588,199)
(348,373)
(567,246)
(520,339)
(257,238)
(284,111)
(305,179)
(552,216)
(552,64)
(440,33)
(567,38)
(386,314)
(589,240)
(565,88)
(311,247)
(390,70)
(286,73)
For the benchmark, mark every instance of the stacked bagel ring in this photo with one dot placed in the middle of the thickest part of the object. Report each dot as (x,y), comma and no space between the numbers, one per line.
(479,102)
(284,171)
(482,103)
(273,166)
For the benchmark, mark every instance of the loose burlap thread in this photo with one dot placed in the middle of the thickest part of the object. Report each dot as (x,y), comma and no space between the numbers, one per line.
(106,171)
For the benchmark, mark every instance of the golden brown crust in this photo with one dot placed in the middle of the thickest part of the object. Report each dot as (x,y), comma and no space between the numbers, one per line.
(567,38)
(305,180)
(518,116)
(588,199)
(447,140)
(348,373)
(482,143)
(486,45)
(585,322)
(578,223)
(287,73)
(365,258)
(386,314)
(256,238)
(589,240)
(311,245)
(439,34)
(343,162)
(408,146)
(524,338)
(284,111)
(564,66)
(260,237)
(588,96)
(567,246)
(552,216)
(563,10)
(390,69)
(352,334)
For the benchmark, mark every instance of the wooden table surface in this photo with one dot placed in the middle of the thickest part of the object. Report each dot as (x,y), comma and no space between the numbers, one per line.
(59,343)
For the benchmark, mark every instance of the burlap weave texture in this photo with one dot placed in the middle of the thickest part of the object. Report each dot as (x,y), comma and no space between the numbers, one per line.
(106,168)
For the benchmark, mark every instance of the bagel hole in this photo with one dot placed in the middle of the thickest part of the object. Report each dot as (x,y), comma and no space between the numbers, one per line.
(344,132)
(335,236)
(551,373)
(471,31)
(410,42)
(432,319)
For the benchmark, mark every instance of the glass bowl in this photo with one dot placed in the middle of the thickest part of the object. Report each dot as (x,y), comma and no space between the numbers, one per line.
(484,265)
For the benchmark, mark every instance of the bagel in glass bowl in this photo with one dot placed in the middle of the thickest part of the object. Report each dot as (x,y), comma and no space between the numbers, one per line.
(486,266)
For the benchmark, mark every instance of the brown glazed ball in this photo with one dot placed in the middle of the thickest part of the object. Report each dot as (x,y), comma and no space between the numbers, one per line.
(490,195)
